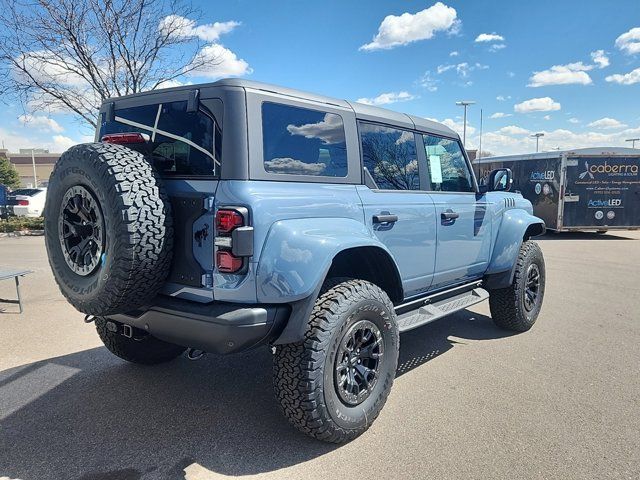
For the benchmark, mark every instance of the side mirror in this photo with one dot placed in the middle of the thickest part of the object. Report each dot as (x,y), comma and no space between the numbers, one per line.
(499,180)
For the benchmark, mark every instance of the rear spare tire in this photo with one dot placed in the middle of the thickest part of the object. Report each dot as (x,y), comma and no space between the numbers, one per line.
(108,228)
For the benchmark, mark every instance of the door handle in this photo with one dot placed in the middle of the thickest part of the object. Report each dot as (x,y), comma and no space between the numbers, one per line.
(449,215)
(385,218)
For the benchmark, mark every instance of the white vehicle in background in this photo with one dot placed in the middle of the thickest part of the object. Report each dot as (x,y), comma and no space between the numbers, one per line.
(28,202)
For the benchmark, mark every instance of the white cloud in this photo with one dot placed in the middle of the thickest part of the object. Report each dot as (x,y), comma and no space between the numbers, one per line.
(502,98)
(387,98)
(454,54)
(463,69)
(501,143)
(41,122)
(456,126)
(293,166)
(543,104)
(497,46)
(572,73)
(228,64)
(514,130)
(573,120)
(607,123)
(63,143)
(501,115)
(395,31)
(629,42)
(511,74)
(600,58)
(547,117)
(182,27)
(489,37)
(428,82)
(330,130)
(625,78)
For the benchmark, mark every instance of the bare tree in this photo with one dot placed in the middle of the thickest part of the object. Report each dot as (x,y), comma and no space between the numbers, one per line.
(72,54)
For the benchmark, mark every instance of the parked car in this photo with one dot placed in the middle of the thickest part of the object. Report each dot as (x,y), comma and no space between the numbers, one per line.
(221,217)
(27,202)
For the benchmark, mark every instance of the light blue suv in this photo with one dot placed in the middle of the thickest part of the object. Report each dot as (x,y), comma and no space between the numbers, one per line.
(221,217)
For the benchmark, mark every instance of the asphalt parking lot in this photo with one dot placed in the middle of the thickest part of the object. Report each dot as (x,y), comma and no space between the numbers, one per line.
(470,400)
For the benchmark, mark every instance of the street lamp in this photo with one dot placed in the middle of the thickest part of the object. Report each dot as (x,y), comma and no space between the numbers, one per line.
(35,177)
(537,137)
(633,141)
(465,104)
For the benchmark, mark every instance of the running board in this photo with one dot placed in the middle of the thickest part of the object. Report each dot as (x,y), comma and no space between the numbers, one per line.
(441,308)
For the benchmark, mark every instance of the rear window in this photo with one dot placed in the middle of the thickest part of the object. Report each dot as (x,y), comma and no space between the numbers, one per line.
(300,141)
(183,144)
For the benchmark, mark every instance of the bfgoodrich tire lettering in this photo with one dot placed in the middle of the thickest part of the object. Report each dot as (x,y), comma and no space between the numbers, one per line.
(138,233)
(304,372)
(512,308)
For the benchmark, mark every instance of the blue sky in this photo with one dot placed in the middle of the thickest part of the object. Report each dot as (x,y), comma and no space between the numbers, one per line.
(570,69)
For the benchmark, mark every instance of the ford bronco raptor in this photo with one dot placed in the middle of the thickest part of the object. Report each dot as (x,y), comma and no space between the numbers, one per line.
(226,216)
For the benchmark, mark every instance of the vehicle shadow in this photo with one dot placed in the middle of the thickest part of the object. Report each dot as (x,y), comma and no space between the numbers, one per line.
(91,416)
(583,236)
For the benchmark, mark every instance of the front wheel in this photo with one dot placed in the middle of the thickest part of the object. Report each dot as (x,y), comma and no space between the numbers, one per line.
(334,383)
(517,306)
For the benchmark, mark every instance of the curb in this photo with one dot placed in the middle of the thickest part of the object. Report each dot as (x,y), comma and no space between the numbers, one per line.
(23,233)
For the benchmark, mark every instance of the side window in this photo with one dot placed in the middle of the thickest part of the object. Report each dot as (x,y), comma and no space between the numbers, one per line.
(182,143)
(448,169)
(389,154)
(300,141)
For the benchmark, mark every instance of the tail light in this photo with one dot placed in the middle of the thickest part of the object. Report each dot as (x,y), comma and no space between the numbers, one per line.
(227,220)
(24,203)
(227,262)
(124,138)
(234,239)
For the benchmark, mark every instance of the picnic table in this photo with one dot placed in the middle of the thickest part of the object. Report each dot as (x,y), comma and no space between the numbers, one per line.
(15,273)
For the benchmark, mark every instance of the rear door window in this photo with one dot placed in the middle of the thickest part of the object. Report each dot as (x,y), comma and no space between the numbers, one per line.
(301,141)
(389,155)
(182,143)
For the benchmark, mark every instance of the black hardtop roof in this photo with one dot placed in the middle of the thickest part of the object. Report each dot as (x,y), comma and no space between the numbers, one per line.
(575,152)
(362,111)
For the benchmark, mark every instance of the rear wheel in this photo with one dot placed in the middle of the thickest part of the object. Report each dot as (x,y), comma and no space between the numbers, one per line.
(334,383)
(140,348)
(517,306)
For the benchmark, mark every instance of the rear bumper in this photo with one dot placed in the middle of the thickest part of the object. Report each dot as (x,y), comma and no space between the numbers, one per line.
(22,211)
(216,327)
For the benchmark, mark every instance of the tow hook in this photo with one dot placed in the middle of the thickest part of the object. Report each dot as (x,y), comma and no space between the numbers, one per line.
(194,354)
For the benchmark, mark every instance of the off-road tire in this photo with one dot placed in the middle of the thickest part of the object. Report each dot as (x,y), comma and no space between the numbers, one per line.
(138,232)
(507,305)
(303,372)
(142,348)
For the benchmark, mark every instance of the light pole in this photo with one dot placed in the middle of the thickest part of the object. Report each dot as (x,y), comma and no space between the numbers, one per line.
(33,162)
(537,137)
(465,104)
(633,141)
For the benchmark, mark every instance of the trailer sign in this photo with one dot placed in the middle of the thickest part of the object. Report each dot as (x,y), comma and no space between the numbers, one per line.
(587,189)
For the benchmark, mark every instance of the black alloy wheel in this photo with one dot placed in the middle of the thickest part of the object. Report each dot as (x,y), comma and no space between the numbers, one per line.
(81,230)
(357,362)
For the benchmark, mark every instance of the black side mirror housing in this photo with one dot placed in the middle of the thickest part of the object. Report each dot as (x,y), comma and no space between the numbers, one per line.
(499,180)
